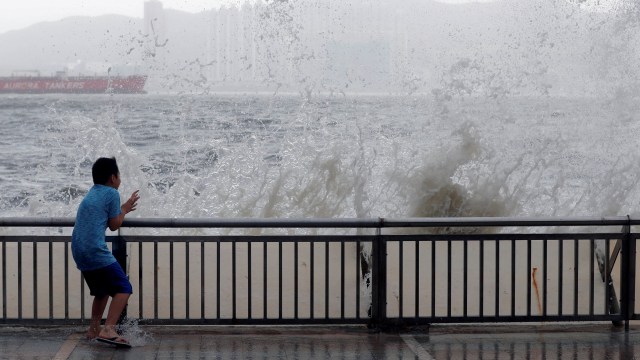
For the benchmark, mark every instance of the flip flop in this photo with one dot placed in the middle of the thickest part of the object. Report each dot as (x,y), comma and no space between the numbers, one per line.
(116,340)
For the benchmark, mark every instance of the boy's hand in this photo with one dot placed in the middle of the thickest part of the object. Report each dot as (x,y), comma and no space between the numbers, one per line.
(127,207)
(130,205)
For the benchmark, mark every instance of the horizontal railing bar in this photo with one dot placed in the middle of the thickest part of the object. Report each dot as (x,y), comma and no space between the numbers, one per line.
(333,223)
(322,238)
(36,222)
(511,221)
(250,223)
(202,223)
(509,236)
(206,239)
(35,238)
(51,238)
(251,239)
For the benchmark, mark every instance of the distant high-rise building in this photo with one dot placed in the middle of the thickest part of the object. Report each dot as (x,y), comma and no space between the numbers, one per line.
(155,27)
(322,42)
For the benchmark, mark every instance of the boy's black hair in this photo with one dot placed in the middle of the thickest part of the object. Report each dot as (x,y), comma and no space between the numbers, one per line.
(102,170)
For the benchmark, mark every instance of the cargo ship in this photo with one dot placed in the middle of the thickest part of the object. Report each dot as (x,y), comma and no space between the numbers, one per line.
(61,83)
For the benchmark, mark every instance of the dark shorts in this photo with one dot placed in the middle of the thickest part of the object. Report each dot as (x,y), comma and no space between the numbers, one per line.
(109,280)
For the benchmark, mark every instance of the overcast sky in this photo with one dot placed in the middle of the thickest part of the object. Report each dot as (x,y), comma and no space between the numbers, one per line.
(18,14)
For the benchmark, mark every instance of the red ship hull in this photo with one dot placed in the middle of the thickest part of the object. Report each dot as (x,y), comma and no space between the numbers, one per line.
(73,85)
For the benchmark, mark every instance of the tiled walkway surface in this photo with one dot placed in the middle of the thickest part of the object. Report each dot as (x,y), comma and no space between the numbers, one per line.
(594,341)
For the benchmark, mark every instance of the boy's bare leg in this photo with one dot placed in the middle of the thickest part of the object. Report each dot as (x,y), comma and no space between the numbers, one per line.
(97,309)
(118,302)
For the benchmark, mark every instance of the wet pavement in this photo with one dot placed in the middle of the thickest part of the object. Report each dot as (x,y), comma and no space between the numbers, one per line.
(553,341)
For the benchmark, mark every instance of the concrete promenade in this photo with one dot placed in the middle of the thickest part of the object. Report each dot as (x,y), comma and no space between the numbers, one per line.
(546,341)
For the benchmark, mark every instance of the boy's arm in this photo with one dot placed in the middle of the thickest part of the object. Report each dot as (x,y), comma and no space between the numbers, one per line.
(127,207)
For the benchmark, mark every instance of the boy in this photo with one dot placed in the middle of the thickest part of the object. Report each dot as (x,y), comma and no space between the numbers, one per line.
(104,276)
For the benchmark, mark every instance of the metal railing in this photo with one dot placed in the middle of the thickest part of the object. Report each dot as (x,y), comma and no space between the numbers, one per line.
(378,272)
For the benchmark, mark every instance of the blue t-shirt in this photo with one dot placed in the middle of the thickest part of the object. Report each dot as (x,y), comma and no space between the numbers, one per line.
(88,244)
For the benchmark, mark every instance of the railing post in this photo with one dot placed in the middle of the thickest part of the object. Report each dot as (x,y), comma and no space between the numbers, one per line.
(119,251)
(379,279)
(628,275)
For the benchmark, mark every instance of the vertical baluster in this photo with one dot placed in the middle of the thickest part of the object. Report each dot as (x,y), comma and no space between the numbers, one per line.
(311,278)
(20,280)
(400,277)
(264,279)
(465,271)
(497,275)
(35,282)
(342,280)
(433,278)
(218,277)
(481,276)
(50,279)
(591,277)
(560,273)
(280,269)
(202,281)
(607,278)
(513,277)
(249,272)
(140,282)
(171,280)
(234,286)
(326,280)
(416,289)
(544,284)
(529,277)
(155,279)
(449,277)
(576,287)
(66,279)
(4,280)
(187,279)
(358,257)
(81,297)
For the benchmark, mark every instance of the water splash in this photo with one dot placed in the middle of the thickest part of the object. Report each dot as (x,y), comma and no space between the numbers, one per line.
(131,330)
(516,118)
(363,157)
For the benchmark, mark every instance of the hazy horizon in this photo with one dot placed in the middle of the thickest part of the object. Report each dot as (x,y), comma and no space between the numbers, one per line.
(23,14)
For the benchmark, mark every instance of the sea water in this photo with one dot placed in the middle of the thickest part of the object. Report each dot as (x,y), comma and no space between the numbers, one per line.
(353,156)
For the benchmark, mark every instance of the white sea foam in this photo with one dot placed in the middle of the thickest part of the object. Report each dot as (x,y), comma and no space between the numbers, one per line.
(554,157)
